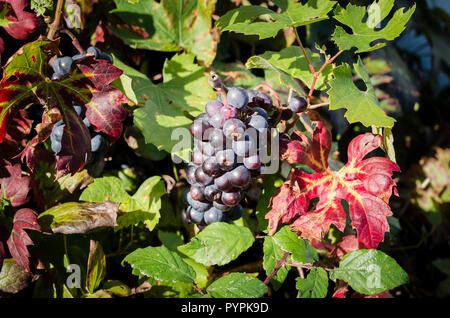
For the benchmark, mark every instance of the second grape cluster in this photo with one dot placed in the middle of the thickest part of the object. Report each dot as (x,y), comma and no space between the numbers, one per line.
(228,139)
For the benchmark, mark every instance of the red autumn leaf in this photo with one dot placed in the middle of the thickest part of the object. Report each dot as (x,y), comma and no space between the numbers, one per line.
(366,185)
(22,24)
(18,128)
(340,292)
(348,244)
(19,239)
(87,84)
(13,185)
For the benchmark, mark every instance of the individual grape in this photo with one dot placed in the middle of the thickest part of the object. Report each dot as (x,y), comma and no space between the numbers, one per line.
(96,142)
(56,76)
(213,215)
(211,167)
(77,109)
(197,205)
(231,198)
(94,51)
(217,139)
(86,122)
(198,157)
(298,104)
(264,100)
(258,122)
(196,216)
(206,148)
(196,192)
(56,137)
(252,94)
(62,65)
(244,146)
(217,120)
(106,57)
(237,97)
(198,128)
(286,114)
(235,213)
(213,107)
(239,177)
(228,112)
(202,178)
(185,217)
(190,173)
(203,116)
(223,182)
(212,193)
(220,206)
(252,162)
(226,159)
(259,111)
(233,129)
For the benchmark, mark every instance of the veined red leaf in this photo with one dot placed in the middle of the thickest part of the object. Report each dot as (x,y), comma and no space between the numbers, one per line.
(22,24)
(19,239)
(25,82)
(366,185)
(13,185)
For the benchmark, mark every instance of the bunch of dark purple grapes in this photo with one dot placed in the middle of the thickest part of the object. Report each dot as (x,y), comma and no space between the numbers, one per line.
(228,140)
(99,142)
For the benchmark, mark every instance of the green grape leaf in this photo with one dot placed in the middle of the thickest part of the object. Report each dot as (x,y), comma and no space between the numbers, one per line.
(313,286)
(218,244)
(106,188)
(292,61)
(168,25)
(362,106)
(272,253)
(171,240)
(370,272)
(185,89)
(261,61)
(143,206)
(161,264)
(301,250)
(261,21)
(364,34)
(237,285)
(96,268)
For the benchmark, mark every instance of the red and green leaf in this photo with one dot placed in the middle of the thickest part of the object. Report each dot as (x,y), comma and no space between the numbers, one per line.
(19,239)
(19,23)
(25,82)
(13,185)
(366,185)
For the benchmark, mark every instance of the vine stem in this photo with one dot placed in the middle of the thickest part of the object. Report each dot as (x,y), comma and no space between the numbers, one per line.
(317,74)
(310,107)
(54,27)
(311,67)
(198,289)
(277,267)
(74,39)
(307,266)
